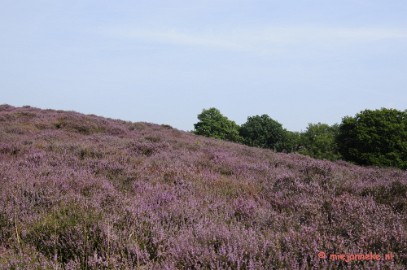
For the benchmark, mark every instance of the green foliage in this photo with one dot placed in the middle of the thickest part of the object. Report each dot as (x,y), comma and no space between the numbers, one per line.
(263,131)
(291,142)
(370,138)
(213,124)
(375,137)
(318,141)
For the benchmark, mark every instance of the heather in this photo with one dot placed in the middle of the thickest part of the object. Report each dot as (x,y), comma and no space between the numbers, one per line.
(86,192)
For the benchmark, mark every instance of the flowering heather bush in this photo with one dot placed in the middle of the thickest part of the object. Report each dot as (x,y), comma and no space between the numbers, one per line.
(84,192)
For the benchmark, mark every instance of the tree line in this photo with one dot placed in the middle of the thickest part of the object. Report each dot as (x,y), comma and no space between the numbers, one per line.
(371,137)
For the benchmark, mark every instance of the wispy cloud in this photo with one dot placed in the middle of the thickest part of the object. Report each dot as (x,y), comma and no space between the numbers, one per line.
(175,37)
(264,39)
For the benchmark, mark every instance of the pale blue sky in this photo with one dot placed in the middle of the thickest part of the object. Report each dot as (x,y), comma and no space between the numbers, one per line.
(164,61)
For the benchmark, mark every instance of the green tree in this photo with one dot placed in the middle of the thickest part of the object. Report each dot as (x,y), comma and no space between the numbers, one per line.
(262,131)
(291,142)
(213,124)
(318,141)
(375,137)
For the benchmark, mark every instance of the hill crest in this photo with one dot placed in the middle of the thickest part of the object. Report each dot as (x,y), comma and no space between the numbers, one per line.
(150,196)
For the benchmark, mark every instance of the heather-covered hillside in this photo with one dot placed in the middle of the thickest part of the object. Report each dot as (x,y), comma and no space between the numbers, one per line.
(85,192)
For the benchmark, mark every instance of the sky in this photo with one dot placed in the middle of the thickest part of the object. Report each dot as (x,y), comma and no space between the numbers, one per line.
(300,62)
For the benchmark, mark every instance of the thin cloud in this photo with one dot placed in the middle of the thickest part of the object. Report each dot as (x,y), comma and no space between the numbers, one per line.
(261,40)
(175,38)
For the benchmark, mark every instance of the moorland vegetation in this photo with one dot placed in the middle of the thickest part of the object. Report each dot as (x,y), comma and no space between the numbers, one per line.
(85,192)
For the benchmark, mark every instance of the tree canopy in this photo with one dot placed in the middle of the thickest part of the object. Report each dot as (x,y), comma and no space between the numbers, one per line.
(263,131)
(318,141)
(372,137)
(212,123)
(375,137)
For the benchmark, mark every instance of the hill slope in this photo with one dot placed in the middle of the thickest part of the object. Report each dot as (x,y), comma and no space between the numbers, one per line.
(87,192)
